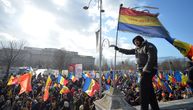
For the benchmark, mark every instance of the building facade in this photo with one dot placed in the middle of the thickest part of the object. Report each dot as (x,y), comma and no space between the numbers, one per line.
(49,57)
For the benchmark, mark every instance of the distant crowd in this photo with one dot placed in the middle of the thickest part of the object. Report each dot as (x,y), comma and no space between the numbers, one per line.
(168,86)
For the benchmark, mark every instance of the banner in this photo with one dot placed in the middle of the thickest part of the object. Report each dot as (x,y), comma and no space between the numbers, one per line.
(78,70)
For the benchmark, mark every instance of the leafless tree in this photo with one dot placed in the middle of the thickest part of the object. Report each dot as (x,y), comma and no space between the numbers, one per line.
(173,64)
(61,59)
(10,53)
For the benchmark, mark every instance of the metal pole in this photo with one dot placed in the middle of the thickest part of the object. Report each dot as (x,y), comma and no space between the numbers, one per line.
(100,50)
(117,37)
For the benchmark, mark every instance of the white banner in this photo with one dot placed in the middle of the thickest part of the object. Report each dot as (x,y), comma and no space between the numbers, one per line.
(78,70)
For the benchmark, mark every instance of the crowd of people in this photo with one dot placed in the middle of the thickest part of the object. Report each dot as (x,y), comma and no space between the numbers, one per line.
(76,99)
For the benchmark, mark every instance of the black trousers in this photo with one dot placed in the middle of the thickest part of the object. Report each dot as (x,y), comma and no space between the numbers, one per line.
(147,95)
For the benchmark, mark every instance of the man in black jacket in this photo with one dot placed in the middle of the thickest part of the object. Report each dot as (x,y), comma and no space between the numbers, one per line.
(190,74)
(146,57)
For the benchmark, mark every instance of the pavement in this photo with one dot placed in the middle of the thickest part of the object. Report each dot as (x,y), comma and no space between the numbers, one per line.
(184,104)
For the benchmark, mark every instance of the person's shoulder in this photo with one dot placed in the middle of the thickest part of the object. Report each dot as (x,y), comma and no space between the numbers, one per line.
(150,45)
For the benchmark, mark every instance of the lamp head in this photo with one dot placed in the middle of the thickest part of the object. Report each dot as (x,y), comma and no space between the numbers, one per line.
(85,7)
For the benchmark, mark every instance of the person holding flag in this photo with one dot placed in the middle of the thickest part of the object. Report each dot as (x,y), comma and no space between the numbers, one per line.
(146,56)
(190,74)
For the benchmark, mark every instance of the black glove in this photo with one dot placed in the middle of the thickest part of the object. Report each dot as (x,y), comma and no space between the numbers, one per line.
(116,48)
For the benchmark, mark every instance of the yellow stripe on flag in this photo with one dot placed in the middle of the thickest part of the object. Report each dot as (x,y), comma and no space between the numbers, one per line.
(140,20)
(183,47)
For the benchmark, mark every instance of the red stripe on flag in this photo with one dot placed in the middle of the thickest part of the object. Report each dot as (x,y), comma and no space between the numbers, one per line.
(190,53)
(131,12)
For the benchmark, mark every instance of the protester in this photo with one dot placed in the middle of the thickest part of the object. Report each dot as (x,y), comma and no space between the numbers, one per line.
(76,99)
(190,74)
(146,56)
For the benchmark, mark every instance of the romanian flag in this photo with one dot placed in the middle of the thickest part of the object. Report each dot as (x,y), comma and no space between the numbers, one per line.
(148,24)
(184,79)
(86,75)
(64,90)
(47,87)
(72,77)
(185,49)
(168,87)
(141,22)
(108,78)
(25,82)
(166,76)
(61,80)
(12,80)
(172,79)
(159,83)
(90,86)
(178,76)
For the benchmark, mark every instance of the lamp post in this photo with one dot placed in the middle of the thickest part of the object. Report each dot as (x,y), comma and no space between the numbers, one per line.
(100,50)
(100,42)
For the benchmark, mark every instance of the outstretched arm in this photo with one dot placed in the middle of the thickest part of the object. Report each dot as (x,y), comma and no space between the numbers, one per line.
(124,51)
(127,51)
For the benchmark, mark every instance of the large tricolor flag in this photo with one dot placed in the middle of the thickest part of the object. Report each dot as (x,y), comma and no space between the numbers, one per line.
(148,24)
(141,22)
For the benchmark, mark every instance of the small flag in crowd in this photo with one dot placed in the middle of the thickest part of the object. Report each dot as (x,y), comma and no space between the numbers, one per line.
(61,80)
(90,86)
(25,82)
(72,77)
(64,90)
(12,80)
(47,87)
(86,75)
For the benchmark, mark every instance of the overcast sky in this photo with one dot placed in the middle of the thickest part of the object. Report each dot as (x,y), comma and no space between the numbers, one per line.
(65,24)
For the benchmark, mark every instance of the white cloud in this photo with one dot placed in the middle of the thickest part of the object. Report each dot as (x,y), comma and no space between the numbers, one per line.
(6,37)
(63,24)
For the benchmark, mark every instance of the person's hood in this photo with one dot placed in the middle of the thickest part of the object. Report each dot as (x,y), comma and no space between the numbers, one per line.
(142,44)
(138,38)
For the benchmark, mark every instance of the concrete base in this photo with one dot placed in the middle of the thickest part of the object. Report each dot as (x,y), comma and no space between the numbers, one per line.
(113,100)
(184,104)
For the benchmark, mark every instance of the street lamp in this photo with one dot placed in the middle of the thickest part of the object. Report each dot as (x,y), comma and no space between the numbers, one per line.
(108,42)
(100,42)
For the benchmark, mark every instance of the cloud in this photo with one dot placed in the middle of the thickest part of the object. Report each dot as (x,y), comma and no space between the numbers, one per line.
(62,24)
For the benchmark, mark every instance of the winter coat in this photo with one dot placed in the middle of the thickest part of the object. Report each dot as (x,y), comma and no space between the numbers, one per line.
(146,56)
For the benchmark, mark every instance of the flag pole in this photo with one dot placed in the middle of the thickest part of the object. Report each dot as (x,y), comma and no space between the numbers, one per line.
(116,40)
(100,50)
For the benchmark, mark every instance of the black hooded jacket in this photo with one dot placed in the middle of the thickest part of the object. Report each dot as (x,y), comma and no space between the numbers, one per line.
(146,56)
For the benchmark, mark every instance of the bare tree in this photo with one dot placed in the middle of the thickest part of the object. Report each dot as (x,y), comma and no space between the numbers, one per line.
(173,64)
(61,59)
(10,53)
